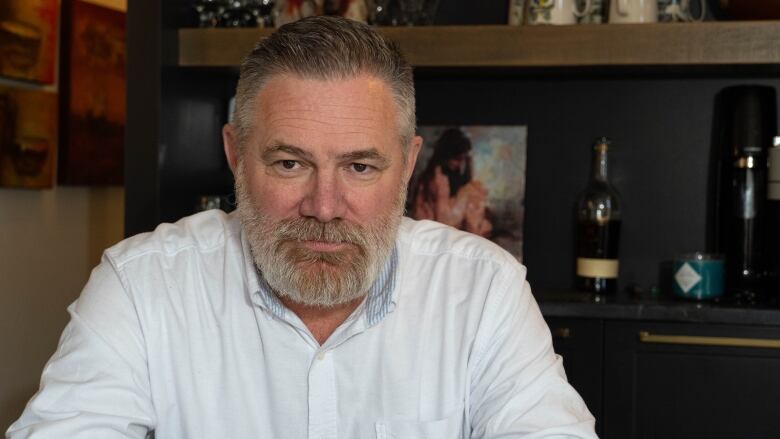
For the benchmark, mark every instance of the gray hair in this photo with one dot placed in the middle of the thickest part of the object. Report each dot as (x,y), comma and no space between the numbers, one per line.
(326,48)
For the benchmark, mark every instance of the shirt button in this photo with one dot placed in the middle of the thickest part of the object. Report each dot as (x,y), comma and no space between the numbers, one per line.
(321,355)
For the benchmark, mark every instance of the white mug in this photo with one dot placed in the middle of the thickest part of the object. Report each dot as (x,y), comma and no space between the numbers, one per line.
(633,11)
(554,11)
(680,10)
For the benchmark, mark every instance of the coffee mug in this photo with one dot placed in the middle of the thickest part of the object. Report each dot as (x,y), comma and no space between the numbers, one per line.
(554,11)
(680,10)
(633,11)
(596,14)
(516,10)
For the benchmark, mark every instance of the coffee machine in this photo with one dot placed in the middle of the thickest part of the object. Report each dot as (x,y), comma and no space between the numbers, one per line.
(743,132)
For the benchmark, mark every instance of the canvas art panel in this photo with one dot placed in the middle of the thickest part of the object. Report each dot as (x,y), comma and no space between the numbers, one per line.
(28,138)
(94,88)
(473,178)
(28,39)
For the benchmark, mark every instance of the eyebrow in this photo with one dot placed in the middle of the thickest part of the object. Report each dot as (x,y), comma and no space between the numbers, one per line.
(366,154)
(363,154)
(289,149)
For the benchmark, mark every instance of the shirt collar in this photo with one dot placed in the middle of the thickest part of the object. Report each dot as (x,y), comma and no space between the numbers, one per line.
(379,301)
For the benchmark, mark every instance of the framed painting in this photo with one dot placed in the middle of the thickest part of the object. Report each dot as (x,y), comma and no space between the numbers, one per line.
(473,178)
(28,39)
(93,88)
(28,138)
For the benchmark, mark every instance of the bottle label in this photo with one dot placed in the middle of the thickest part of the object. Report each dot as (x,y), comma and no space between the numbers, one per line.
(591,267)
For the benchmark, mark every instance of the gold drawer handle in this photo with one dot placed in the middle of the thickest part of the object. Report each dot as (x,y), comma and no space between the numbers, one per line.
(561,333)
(646,337)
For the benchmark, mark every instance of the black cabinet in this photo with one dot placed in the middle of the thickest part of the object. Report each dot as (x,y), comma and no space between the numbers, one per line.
(679,380)
(580,343)
(668,369)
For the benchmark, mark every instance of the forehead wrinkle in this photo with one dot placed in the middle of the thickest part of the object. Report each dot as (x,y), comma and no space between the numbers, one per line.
(328,129)
(312,106)
(296,122)
(286,120)
(297,115)
(363,114)
(297,106)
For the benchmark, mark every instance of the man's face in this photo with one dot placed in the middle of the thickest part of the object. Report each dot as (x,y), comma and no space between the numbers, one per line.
(321,185)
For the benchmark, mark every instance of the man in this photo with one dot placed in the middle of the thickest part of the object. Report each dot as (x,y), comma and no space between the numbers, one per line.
(315,311)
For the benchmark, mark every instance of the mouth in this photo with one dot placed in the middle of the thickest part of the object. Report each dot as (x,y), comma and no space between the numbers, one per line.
(324,246)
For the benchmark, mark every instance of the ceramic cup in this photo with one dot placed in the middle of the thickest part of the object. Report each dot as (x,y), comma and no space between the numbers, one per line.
(516,11)
(554,11)
(633,11)
(596,14)
(680,10)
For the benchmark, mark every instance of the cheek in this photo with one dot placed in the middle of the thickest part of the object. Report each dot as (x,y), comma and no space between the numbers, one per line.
(273,198)
(280,202)
(368,203)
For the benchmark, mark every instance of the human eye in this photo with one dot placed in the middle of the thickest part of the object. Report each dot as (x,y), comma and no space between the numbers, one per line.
(287,166)
(360,168)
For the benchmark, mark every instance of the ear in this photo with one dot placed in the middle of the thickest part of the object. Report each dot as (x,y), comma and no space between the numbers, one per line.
(411,156)
(230,142)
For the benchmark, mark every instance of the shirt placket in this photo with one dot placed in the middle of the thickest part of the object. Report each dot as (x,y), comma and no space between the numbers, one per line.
(323,397)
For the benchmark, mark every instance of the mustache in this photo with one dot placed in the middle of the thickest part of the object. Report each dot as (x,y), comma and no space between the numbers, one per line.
(310,229)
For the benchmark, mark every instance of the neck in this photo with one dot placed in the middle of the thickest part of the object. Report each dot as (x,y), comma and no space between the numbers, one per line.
(322,321)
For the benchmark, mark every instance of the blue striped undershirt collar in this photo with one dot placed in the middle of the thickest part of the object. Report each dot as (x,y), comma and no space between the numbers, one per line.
(379,300)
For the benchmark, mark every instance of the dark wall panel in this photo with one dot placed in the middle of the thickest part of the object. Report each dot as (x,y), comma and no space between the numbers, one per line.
(662,134)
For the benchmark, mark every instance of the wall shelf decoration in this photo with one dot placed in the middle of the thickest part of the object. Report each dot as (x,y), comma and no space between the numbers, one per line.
(705,44)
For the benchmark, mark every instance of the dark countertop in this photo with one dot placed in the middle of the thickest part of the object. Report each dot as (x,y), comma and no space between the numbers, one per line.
(574,304)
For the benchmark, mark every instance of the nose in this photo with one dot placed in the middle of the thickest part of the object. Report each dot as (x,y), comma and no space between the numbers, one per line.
(324,199)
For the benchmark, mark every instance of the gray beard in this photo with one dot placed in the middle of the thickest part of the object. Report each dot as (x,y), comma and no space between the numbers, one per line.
(321,279)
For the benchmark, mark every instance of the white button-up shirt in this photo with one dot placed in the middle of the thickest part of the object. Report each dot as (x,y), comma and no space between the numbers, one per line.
(176,333)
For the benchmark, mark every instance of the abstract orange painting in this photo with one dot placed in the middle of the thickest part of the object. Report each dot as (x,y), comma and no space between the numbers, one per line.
(28,138)
(93,87)
(28,39)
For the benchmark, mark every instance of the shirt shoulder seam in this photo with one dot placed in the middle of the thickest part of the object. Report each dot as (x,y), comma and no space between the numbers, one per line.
(119,262)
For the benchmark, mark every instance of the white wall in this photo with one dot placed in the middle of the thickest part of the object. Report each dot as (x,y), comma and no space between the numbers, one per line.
(49,242)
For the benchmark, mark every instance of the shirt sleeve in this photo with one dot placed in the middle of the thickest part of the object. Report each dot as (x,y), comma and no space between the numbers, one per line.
(518,384)
(96,385)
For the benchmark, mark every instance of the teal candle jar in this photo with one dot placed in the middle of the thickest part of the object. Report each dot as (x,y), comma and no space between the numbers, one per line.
(698,276)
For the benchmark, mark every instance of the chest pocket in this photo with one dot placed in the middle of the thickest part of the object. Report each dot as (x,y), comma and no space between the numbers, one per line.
(447,428)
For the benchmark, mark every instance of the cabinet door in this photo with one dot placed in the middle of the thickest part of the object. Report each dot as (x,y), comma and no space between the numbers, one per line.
(671,381)
(579,342)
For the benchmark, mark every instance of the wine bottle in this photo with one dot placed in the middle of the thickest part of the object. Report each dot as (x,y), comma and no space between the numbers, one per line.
(598,228)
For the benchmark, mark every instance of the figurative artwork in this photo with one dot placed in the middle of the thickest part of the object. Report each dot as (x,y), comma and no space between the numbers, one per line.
(94,88)
(28,138)
(28,39)
(473,178)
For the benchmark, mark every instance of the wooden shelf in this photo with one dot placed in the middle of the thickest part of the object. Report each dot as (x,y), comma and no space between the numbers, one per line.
(698,44)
